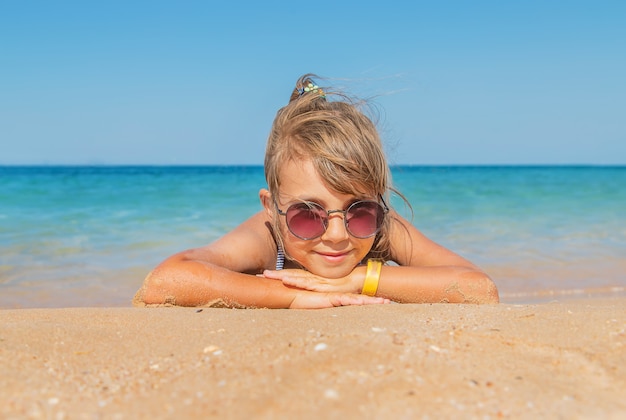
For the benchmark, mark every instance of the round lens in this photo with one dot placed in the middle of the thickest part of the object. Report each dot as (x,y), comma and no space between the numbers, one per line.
(364,218)
(306,220)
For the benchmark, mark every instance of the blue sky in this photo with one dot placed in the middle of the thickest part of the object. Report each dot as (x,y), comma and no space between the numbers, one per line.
(199,82)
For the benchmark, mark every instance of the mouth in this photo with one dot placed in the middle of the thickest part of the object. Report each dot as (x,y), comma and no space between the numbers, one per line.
(334,257)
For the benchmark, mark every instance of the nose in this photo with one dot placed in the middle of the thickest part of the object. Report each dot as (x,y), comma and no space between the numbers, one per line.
(336,230)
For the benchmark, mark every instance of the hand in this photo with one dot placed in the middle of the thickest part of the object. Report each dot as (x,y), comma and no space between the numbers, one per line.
(305,280)
(315,300)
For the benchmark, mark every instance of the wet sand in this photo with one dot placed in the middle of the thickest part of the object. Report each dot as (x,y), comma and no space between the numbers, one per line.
(558,359)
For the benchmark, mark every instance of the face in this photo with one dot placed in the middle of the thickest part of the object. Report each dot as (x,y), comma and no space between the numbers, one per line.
(335,253)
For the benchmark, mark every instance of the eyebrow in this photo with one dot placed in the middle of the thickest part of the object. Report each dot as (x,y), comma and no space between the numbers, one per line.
(345,205)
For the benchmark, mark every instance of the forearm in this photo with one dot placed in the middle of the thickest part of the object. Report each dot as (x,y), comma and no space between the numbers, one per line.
(185,282)
(450,284)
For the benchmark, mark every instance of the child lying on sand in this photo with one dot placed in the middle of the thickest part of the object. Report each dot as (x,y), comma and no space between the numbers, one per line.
(326,229)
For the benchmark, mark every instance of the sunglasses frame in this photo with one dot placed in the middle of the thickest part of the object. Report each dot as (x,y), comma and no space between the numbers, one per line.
(382,204)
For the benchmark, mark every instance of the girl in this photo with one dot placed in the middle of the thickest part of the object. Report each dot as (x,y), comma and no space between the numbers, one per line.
(325,229)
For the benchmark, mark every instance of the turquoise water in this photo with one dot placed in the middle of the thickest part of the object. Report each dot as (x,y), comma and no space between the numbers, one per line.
(86,236)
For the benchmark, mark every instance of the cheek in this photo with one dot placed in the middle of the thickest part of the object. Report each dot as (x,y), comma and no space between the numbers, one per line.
(299,254)
(365,245)
(295,247)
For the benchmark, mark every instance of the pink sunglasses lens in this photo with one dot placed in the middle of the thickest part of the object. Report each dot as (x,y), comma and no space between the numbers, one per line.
(364,218)
(306,221)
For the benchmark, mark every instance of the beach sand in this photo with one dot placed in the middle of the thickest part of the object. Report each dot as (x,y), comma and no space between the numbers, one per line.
(558,360)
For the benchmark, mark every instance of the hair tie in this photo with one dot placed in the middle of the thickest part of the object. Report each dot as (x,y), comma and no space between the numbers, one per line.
(310,87)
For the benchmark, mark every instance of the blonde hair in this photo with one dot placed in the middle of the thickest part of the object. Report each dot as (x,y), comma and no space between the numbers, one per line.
(329,129)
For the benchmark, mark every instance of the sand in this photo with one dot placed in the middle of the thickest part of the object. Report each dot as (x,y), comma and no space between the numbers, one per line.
(556,360)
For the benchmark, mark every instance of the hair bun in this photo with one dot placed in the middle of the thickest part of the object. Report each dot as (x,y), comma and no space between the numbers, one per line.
(306,85)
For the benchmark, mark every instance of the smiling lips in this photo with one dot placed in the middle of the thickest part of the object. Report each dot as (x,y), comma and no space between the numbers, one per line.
(334,257)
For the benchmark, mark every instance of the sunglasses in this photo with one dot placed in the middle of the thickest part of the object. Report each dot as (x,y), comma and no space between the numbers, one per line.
(307,220)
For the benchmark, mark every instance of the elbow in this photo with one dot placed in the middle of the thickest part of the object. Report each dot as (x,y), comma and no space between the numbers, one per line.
(155,290)
(482,289)
(179,281)
(163,285)
(494,296)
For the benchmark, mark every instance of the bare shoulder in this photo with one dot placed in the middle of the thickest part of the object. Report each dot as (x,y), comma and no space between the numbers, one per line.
(409,246)
(248,248)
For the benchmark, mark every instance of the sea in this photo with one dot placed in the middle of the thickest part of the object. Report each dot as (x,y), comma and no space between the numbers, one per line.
(86,236)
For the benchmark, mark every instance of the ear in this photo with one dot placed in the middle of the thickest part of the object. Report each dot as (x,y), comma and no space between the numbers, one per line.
(266,201)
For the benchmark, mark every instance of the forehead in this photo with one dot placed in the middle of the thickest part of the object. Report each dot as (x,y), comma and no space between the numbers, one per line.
(299,177)
(300,180)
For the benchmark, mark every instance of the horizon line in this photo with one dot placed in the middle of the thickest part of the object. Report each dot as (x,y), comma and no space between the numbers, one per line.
(254,165)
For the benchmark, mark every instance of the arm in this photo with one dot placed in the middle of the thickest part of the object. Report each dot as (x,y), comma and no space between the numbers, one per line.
(223,273)
(427,272)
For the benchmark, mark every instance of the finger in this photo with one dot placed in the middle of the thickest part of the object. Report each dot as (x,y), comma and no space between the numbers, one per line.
(353,299)
(299,282)
(281,274)
(272,274)
(308,283)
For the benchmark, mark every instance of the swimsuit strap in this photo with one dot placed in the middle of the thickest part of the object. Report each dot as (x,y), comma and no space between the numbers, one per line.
(280,258)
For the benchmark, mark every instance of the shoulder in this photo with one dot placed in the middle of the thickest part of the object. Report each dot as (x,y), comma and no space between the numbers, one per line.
(411,247)
(401,229)
(250,247)
(408,245)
